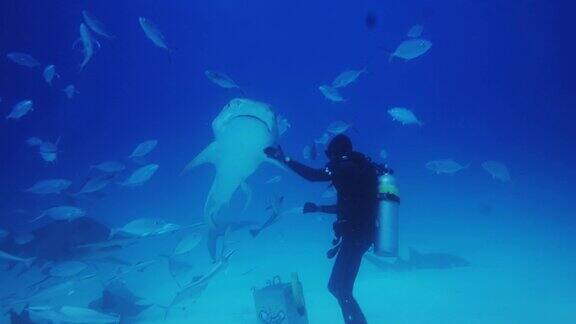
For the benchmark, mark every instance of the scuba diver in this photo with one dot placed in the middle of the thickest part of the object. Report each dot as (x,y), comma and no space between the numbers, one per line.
(355,178)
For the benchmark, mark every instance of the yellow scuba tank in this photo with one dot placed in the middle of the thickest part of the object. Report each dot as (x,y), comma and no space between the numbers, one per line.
(386,238)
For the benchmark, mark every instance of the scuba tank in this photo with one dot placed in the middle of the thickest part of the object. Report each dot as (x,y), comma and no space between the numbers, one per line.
(386,238)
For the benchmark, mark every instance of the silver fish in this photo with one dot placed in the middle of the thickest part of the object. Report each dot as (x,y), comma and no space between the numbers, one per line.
(322,140)
(21,109)
(188,243)
(51,186)
(70,91)
(447,166)
(109,167)
(411,49)
(23,59)
(153,33)
(404,116)
(497,170)
(50,73)
(140,176)
(95,184)
(142,227)
(88,43)
(221,79)
(95,24)
(347,77)
(415,31)
(144,149)
(338,127)
(275,179)
(331,93)
(64,212)
(34,141)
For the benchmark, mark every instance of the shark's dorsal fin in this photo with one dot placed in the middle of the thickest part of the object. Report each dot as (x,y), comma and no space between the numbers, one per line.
(208,155)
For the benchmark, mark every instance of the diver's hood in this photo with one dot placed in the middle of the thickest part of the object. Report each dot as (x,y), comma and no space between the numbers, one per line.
(245,108)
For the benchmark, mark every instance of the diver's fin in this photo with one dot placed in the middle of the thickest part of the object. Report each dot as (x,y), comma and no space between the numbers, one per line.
(208,155)
(248,192)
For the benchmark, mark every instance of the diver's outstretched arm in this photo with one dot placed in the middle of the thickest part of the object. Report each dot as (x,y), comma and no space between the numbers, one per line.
(308,173)
(302,170)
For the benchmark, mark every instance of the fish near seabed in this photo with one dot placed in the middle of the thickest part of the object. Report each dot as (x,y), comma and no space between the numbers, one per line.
(88,45)
(242,130)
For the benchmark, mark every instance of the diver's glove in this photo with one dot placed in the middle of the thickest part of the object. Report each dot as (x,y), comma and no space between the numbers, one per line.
(275,153)
(310,208)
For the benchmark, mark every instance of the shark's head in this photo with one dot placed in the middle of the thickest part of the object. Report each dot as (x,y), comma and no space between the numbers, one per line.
(240,108)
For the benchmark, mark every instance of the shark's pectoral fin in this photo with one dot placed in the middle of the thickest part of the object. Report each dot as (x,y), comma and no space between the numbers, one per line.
(208,155)
(248,192)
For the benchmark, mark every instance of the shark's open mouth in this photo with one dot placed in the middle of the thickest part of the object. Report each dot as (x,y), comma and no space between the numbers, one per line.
(260,120)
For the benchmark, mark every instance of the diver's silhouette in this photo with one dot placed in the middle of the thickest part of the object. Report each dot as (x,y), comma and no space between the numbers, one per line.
(355,178)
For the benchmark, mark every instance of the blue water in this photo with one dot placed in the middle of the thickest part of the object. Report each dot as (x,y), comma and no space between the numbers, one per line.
(496,85)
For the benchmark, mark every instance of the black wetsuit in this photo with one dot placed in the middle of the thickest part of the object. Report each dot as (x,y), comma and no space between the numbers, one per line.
(356,181)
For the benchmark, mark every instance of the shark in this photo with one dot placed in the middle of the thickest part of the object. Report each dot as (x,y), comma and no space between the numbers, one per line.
(242,130)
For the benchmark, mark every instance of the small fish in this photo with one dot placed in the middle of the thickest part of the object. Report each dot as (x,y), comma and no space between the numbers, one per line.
(21,109)
(415,31)
(34,141)
(95,184)
(306,152)
(68,213)
(188,244)
(283,125)
(70,91)
(109,167)
(331,93)
(95,24)
(51,186)
(6,257)
(23,59)
(275,179)
(404,116)
(23,239)
(411,49)
(383,154)
(140,176)
(347,77)
(322,140)
(447,166)
(329,193)
(275,209)
(153,33)
(143,149)
(67,269)
(497,170)
(88,43)
(49,151)
(338,127)
(142,227)
(221,79)
(50,73)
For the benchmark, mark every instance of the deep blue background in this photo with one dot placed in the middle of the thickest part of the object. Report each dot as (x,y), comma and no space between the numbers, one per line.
(497,84)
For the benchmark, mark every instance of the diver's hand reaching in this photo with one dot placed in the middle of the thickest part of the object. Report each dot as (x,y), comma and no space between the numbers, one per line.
(275,153)
(310,208)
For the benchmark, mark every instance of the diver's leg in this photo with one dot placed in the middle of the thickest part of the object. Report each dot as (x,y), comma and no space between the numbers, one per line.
(341,283)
